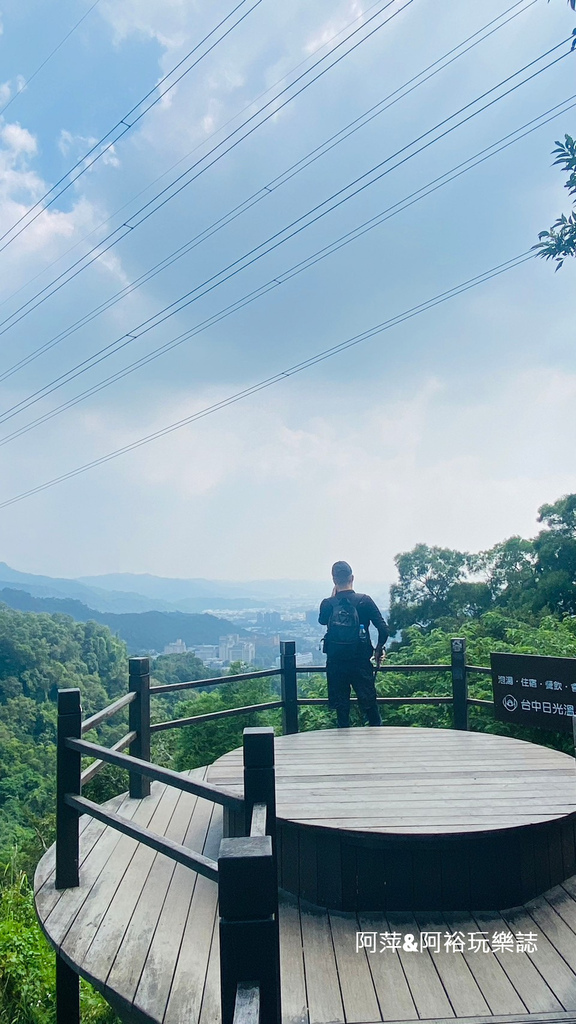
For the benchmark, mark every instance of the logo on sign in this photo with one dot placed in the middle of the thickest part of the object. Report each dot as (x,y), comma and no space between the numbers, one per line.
(510,702)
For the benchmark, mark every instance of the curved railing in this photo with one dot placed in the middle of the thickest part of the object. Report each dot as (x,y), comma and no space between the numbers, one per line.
(246,871)
(243,904)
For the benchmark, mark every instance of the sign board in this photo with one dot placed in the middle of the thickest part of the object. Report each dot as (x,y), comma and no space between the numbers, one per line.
(534,690)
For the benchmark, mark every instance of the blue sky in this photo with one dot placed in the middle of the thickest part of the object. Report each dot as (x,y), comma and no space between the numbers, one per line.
(450,428)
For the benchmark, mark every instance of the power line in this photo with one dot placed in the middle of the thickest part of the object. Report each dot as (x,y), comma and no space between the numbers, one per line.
(282,375)
(101,248)
(46,59)
(167,312)
(122,126)
(210,135)
(281,179)
(305,264)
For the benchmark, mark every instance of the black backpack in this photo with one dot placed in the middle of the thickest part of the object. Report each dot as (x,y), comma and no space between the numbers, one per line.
(342,638)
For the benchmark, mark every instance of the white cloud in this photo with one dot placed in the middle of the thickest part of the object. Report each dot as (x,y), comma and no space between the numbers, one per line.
(21,186)
(333,27)
(18,140)
(309,480)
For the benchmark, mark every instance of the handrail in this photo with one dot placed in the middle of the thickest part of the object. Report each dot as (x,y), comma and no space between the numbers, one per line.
(397,701)
(190,859)
(170,687)
(246,871)
(93,769)
(108,711)
(139,696)
(302,669)
(153,771)
(227,713)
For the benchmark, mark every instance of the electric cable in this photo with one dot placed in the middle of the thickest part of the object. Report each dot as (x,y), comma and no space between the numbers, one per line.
(46,59)
(344,133)
(184,301)
(122,126)
(305,264)
(210,135)
(127,228)
(282,375)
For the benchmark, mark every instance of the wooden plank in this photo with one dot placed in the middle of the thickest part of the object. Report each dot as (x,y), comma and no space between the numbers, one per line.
(125,972)
(102,887)
(191,967)
(330,873)
(548,961)
(322,988)
(558,932)
(294,1000)
(289,864)
(156,979)
(528,978)
(491,978)
(73,902)
(90,831)
(112,926)
(453,969)
(210,1010)
(568,849)
(426,988)
(392,990)
(356,985)
(308,875)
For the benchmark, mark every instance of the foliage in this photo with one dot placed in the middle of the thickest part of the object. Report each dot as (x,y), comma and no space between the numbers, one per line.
(528,579)
(27,964)
(560,241)
(204,742)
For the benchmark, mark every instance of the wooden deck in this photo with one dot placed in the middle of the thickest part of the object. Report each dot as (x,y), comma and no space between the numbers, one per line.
(143,930)
(410,819)
(412,781)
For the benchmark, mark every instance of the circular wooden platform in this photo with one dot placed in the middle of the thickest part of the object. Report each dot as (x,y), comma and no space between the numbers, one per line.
(406,818)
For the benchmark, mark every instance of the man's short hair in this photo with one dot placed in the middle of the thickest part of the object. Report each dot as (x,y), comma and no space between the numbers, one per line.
(341,572)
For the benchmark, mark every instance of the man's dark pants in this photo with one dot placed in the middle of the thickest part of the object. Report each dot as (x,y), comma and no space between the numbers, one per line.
(358,674)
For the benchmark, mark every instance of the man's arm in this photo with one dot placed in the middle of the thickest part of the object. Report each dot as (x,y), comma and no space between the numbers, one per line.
(325,610)
(378,621)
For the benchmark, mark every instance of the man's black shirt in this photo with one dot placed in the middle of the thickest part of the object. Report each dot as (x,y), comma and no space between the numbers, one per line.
(367,610)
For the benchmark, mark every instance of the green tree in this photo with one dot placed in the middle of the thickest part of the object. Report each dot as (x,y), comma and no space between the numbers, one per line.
(427,577)
(509,572)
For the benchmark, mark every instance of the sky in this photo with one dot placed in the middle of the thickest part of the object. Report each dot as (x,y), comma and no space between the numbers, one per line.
(449,427)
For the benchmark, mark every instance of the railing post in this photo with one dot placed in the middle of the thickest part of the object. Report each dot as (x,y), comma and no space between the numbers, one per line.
(68,771)
(459,683)
(67,993)
(139,721)
(249,936)
(259,777)
(289,686)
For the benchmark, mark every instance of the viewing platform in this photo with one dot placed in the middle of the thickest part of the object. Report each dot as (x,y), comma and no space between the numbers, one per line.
(424,874)
(416,819)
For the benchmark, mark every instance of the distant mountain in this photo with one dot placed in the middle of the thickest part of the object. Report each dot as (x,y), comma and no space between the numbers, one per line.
(140,592)
(197,593)
(177,590)
(100,599)
(142,631)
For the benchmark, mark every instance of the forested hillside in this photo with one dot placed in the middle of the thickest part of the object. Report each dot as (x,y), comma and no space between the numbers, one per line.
(141,631)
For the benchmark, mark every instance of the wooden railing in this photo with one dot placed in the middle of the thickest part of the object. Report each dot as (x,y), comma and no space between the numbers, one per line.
(246,871)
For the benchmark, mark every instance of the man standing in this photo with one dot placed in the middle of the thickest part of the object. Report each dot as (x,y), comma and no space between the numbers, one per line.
(348,647)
